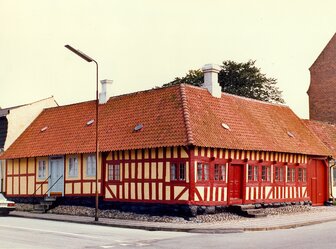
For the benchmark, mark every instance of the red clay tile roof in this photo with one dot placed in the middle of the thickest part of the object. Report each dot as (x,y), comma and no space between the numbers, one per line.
(253,125)
(326,132)
(172,116)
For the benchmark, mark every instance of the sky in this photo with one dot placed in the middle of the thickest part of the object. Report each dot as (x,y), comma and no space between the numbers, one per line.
(141,44)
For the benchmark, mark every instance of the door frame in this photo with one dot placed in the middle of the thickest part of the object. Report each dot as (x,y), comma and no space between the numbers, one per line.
(62,180)
(232,201)
(312,178)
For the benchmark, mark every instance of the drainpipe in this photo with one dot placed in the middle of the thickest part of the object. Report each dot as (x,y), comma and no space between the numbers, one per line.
(332,164)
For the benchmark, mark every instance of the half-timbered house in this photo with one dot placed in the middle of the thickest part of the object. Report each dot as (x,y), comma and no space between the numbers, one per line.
(181,145)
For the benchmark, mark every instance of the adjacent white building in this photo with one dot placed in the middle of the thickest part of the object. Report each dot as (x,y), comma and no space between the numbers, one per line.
(13,121)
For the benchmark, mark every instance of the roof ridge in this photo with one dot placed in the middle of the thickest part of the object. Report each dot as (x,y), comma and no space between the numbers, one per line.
(186,114)
(241,97)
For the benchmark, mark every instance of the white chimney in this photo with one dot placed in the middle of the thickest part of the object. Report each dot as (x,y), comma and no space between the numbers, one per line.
(211,79)
(104,95)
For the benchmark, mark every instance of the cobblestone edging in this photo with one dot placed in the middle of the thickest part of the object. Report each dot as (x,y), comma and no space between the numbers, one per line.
(206,218)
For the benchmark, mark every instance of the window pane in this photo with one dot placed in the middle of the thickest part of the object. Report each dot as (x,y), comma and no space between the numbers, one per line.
(199,171)
(182,171)
(263,173)
(216,176)
(268,173)
(91,165)
(300,178)
(250,172)
(255,176)
(42,169)
(73,166)
(223,173)
(110,172)
(173,172)
(117,172)
(206,172)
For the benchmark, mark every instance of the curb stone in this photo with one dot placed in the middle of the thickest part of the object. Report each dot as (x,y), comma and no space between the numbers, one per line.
(151,227)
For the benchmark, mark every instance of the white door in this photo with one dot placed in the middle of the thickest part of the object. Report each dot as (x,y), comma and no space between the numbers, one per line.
(56,169)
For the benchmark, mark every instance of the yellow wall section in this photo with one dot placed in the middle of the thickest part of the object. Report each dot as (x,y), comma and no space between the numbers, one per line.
(139,154)
(146,191)
(77,188)
(168,152)
(153,191)
(16,166)
(9,166)
(153,170)
(167,172)
(139,171)
(87,188)
(160,170)
(126,171)
(139,191)
(132,190)
(23,166)
(133,170)
(160,153)
(177,191)
(167,193)
(31,165)
(146,176)
(31,188)
(107,194)
(16,185)
(184,154)
(160,191)
(126,190)
(23,185)
(9,185)
(68,188)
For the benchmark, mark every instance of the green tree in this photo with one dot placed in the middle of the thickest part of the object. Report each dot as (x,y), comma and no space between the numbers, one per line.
(243,79)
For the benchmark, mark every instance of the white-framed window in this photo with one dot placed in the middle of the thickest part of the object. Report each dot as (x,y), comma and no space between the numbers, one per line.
(279,174)
(42,169)
(202,171)
(253,173)
(91,165)
(302,175)
(114,172)
(266,173)
(177,171)
(73,166)
(220,172)
(290,174)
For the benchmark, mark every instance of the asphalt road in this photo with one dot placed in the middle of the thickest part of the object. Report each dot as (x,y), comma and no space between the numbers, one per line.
(30,233)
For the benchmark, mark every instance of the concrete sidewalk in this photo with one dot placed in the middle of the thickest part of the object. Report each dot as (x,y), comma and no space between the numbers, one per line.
(285,221)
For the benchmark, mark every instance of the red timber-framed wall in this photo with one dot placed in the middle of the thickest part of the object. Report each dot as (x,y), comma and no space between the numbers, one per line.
(260,177)
(145,176)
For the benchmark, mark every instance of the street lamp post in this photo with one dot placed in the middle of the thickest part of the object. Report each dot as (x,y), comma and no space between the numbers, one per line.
(89,59)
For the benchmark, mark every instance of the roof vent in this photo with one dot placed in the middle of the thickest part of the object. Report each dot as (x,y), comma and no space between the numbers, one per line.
(290,134)
(138,127)
(226,126)
(44,128)
(90,122)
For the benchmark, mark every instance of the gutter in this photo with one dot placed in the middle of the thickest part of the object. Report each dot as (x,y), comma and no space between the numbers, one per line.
(332,164)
